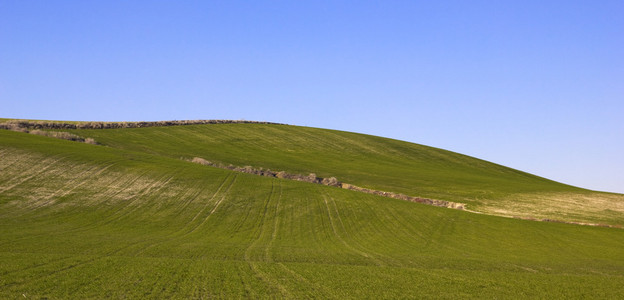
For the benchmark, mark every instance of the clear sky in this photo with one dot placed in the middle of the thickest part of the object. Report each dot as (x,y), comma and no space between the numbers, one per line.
(534,85)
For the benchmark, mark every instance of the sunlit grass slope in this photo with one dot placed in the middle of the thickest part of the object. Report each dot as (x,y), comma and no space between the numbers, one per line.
(86,221)
(374,162)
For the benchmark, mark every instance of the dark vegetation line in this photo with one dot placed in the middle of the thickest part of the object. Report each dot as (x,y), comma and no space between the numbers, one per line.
(55,134)
(330,181)
(112,125)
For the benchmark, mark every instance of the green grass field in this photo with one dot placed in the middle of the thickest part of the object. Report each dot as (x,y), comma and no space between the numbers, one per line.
(131,219)
(374,162)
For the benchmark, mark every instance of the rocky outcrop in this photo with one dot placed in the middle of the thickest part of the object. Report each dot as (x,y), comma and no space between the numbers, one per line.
(434,202)
(330,181)
(312,178)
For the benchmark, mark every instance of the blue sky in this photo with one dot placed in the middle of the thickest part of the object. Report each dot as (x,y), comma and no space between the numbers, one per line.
(534,85)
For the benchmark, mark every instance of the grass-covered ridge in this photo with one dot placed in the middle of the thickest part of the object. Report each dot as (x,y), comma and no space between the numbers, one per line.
(129,218)
(376,163)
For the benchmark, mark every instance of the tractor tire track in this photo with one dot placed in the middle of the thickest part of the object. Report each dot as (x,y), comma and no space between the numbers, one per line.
(185,230)
(68,268)
(70,185)
(36,266)
(101,222)
(349,246)
(225,193)
(315,286)
(253,265)
(86,227)
(267,254)
(381,224)
(36,173)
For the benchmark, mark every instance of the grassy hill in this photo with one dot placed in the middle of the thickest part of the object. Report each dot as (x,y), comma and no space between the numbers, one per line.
(130,218)
(374,162)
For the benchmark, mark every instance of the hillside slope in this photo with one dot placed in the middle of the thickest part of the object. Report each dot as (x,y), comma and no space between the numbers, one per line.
(132,219)
(374,162)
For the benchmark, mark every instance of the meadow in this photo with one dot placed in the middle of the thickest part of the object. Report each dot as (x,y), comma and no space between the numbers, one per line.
(133,218)
(376,163)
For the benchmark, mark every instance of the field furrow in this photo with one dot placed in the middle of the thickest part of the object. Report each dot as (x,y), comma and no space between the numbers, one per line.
(130,219)
(336,231)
